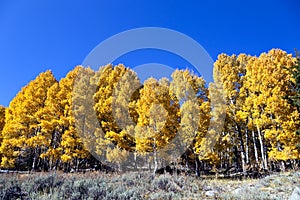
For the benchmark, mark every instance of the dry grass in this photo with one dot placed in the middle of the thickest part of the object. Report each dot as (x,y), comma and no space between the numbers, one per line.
(97,185)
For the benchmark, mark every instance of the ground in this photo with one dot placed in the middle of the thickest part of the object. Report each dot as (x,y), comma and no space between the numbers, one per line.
(98,185)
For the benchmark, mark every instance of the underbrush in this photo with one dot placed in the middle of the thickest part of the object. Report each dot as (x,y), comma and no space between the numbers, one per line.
(96,185)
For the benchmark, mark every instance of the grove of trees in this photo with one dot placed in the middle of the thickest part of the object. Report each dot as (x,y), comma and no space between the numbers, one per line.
(47,125)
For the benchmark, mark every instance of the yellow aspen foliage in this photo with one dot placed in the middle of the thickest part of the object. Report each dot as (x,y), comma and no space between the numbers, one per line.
(248,116)
(2,123)
(209,144)
(270,116)
(21,133)
(281,118)
(117,156)
(109,78)
(49,120)
(58,124)
(72,147)
(2,117)
(229,72)
(86,122)
(158,121)
(158,116)
(191,93)
(112,102)
(124,97)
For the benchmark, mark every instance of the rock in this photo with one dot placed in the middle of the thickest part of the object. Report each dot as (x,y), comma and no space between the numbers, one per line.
(237,191)
(211,193)
(296,194)
(266,189)
(207,188)
(296,175)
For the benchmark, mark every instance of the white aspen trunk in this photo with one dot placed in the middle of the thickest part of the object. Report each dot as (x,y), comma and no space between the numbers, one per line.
(155,162)
(149,164)
(77,164)
(247,147)
(155,158)
(33,163)
(282,166)
(35,159)
(255,148)
(263,157)
(266,160)
(186,163)
(243,162)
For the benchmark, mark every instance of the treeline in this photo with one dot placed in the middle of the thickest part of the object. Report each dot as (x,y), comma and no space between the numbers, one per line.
(107,118)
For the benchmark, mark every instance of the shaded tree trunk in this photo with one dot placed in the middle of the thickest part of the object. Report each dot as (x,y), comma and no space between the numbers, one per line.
(254,147)
(197,166)
(242,146)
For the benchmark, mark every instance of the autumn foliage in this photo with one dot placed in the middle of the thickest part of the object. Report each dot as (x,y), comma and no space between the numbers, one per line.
(135,125)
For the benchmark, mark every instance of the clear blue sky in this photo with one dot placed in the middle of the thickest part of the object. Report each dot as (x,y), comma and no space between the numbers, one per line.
(39,35)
